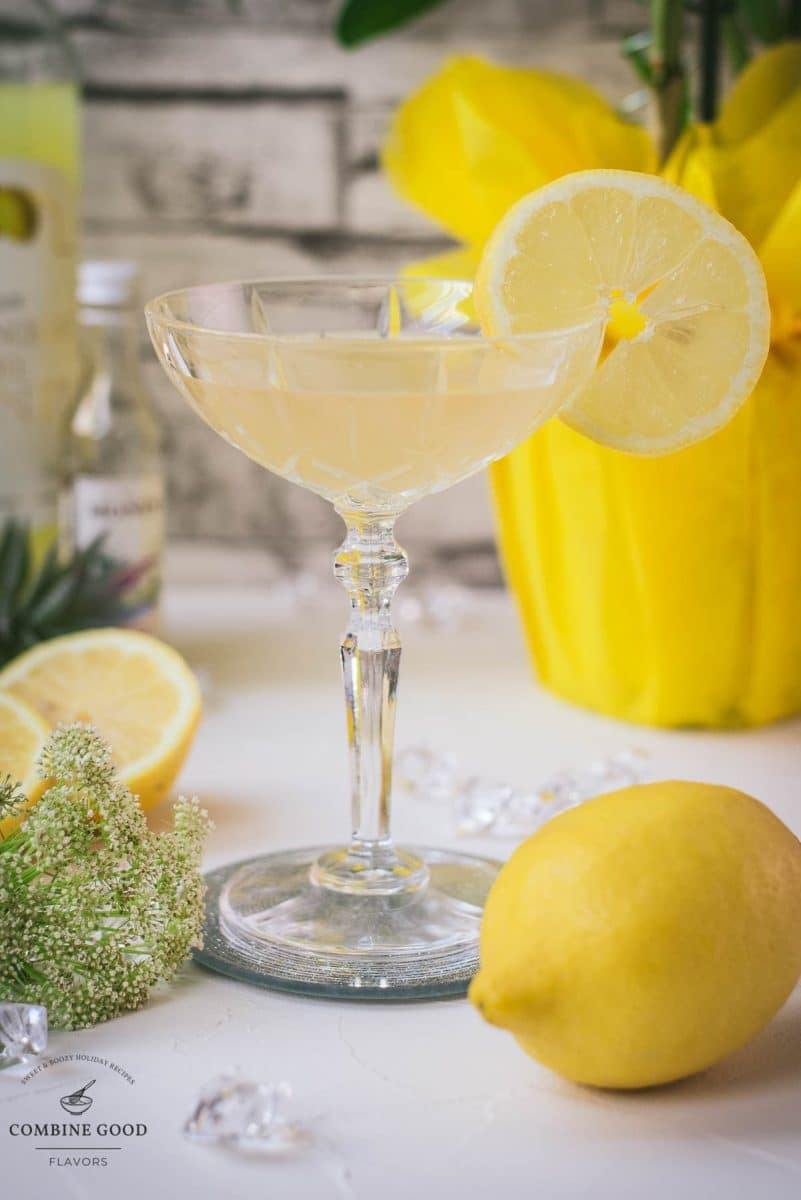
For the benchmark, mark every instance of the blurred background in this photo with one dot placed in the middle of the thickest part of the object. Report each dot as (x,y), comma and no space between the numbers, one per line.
(228,140)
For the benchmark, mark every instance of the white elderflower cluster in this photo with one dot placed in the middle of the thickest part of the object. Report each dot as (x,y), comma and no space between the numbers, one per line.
(95,908)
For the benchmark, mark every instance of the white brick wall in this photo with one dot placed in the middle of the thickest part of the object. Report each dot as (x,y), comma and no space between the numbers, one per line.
(232,162)
(221,145)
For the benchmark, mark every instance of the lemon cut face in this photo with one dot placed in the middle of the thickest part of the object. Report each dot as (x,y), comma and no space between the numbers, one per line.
(138,693)
(681,294)
(23,732)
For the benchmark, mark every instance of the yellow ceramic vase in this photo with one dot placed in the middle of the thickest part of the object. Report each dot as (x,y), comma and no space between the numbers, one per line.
(665,591)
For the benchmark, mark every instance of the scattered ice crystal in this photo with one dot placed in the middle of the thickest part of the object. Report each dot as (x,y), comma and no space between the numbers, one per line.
(23,1032)
(250,1116)
(488,806)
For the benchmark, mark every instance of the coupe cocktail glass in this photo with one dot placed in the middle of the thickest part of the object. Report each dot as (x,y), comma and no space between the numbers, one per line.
(372,393)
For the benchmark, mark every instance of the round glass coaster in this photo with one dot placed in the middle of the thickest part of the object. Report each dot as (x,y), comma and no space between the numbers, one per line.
(269,923)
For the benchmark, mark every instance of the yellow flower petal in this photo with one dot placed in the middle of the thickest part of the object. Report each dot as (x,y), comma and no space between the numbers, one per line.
(749,183)
(780,253)
(477,137)
(769,81)
(461,167)
(453,264)
(689,165)
(754,181)
(461,263)
(754,149)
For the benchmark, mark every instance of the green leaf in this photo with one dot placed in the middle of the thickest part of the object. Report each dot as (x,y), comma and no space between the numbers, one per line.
(89,589)
(736,42)
(360,20)
(765,19)
(794,19)
(53,601)
(14,562)
(636,48)
(48,572)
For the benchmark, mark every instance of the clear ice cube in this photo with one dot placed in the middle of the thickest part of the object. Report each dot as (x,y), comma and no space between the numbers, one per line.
(251,1116)
(23,1032)
(486,806)
(479,804)
(428,774)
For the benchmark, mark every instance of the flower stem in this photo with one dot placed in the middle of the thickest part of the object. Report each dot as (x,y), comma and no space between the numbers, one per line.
(794,19)
(668,74)
(32,974)
(735,41)
(709,63)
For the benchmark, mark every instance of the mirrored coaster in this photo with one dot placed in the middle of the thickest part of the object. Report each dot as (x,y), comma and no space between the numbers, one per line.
(269,922)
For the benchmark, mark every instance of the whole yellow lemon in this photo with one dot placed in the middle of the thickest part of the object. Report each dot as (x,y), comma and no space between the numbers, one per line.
(644,935)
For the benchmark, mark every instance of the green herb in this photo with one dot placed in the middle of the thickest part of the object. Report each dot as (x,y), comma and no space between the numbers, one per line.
(89,590)
(360,20)
(95,908)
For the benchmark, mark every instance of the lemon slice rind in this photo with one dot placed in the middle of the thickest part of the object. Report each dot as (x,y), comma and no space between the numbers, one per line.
(633,402)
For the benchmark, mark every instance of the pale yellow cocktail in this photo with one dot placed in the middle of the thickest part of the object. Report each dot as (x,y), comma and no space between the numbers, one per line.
(371,393)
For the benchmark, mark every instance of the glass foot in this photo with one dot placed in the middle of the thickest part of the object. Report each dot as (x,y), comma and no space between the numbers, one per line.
(268,922)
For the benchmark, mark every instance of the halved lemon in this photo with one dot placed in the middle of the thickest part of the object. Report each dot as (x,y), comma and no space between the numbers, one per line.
(680,292)
(138,693)
(23,732)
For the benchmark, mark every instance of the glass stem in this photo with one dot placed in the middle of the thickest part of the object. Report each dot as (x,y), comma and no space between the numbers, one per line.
(371,565)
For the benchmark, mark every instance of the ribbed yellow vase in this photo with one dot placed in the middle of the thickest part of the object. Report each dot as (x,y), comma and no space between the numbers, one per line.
(665,591)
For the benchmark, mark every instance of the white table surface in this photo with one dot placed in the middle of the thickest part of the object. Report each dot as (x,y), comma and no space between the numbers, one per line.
(420,1100)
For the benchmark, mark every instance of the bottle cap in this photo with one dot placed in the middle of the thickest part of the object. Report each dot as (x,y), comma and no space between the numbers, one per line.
(108,283)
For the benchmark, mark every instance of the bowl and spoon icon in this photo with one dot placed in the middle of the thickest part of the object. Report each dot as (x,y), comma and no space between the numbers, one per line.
(78,1102)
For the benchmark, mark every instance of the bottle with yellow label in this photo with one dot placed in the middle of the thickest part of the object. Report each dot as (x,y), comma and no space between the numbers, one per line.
(39,152)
